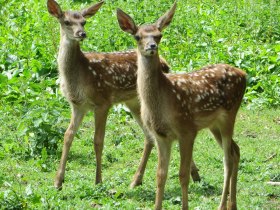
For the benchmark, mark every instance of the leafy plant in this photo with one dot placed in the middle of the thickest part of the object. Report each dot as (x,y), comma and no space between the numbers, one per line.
(34,115)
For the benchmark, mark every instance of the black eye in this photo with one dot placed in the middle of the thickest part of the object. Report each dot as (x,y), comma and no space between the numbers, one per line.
(137,37)
(158,36)
(66,22)
(83,23)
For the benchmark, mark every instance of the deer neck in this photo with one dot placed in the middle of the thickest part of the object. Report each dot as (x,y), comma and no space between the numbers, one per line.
(69,56)
(149,77)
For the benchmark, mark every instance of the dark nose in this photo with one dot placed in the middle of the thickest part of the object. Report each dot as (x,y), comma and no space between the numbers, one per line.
(82,34)
(153,46)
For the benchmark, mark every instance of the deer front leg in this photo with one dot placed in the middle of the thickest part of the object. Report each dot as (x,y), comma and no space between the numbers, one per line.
(186,149)
(164,149)
(76,119)
(100,116)
(138,177)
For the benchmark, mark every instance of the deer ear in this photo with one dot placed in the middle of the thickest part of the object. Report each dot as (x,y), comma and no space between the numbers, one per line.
(92,10)
(165,20)
(54,9)
(126,22)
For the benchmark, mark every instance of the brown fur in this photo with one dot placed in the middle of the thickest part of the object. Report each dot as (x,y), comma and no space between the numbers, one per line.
(177,106)
(94,82)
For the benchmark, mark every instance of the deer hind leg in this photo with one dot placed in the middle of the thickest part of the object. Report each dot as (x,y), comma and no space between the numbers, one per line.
(223,136)
(100,117)
(194,172)
(186,149)
(233,181)
(76,119)
(148,146)
(164,149)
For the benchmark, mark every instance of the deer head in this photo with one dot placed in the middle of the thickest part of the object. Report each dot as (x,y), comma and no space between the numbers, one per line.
(72,22)
(147,36)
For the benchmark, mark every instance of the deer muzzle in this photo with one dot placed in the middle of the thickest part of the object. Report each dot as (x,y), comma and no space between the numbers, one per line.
(151,48)
(82,34)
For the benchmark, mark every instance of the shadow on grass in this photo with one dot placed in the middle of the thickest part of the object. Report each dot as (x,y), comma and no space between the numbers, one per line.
(81,158)
(202,188)
(141,194)
(110,193)
(206,189)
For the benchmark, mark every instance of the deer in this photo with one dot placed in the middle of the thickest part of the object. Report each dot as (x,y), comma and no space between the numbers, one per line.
(95,82)
(177,106)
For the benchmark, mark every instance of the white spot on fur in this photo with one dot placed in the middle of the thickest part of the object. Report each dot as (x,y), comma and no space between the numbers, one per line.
(198,98)
(178,96)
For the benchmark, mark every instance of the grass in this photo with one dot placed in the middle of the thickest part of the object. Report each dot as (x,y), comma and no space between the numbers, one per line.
(28,184)
(34,115)
(242,33)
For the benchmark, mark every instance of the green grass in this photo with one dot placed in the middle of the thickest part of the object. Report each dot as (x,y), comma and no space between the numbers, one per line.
(34,115)
(29,183)
(242,33)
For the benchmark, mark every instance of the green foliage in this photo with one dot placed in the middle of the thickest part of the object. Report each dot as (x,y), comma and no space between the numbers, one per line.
(27,184)
(34,106)
(34,115)
(243,33)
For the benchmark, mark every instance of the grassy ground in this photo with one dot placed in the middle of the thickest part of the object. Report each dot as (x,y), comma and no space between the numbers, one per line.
(34,116)
(29,183)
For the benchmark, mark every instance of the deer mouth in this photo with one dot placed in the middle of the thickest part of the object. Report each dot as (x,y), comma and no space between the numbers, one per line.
(151,51)
(78,38)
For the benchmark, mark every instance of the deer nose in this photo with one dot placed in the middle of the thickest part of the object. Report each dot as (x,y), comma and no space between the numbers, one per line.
(153,46)
(82,34)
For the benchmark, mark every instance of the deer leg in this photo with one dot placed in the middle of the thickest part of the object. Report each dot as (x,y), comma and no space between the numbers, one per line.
(148,146)
(100,116)
(164,149)
(217,134)
(226,134)
(138,177)
(235,153)
(134,107)
(194,172)
(186,149)
(76,119)
(232,205)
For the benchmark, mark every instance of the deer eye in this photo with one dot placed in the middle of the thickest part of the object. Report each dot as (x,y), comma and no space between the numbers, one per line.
(158,36)
(137,37)
(67,23)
